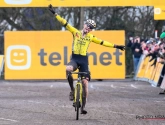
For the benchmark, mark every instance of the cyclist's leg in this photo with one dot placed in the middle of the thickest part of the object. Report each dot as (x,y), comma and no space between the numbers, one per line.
(85,94)
(85,79)
(71,66)
(85,84)
(84,67)
(89,70)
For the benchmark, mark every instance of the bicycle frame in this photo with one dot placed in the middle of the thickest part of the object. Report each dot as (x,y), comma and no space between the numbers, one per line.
(78,93)
(79,82)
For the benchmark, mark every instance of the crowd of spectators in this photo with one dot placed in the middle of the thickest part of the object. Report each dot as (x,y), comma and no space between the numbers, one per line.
(136,47)
(153,47)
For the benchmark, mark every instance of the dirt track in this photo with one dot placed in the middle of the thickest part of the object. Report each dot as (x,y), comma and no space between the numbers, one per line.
(109,103)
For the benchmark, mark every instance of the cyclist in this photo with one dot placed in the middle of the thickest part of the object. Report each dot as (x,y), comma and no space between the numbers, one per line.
(81,40)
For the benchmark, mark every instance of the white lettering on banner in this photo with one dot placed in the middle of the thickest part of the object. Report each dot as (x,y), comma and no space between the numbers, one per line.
(157,10)
(18,2)
(18,57)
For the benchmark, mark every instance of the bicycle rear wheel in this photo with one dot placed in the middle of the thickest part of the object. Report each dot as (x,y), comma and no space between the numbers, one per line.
(77,102)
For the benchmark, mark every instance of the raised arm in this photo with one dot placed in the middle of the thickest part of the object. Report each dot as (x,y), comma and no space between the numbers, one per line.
(107,44)
(61,20)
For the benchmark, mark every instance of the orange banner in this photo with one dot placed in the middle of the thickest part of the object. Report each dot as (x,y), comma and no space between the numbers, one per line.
(159,12)
(149,70)
(158,72)
(79,3)
(142,67)
(44,54)
(154,72)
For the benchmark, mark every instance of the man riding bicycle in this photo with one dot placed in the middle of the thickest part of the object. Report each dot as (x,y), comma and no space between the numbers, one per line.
(81,40)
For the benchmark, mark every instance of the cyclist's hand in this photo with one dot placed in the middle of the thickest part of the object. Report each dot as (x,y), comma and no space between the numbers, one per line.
(121,47)
(51,9)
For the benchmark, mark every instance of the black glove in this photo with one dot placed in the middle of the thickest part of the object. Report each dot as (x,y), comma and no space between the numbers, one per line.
(121,47)
(51,9)
(154,63)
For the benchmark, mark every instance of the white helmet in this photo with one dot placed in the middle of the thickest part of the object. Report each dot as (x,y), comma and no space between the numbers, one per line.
(91,23)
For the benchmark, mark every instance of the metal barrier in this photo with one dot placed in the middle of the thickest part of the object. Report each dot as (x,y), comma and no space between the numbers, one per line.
(147,72)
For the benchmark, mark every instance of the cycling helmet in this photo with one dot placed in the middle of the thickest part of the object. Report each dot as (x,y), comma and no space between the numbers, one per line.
(91,23)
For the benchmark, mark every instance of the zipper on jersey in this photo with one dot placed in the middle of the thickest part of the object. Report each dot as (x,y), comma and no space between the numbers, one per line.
(79,49)
(80,44)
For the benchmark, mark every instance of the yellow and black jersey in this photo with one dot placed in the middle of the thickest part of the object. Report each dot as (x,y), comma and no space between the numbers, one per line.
(81,43)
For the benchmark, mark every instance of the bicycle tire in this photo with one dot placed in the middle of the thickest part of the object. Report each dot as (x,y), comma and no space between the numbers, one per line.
(77,102)
(83,98)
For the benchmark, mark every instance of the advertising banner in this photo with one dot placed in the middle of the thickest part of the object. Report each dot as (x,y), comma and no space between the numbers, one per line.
(149,70)
(154,72)
(159,12)
(44,55)
(158,74)
(142,67)
(79,3)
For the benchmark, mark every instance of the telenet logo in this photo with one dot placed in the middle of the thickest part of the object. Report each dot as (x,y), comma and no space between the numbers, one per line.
(157,10)
(18,57)
(18,2)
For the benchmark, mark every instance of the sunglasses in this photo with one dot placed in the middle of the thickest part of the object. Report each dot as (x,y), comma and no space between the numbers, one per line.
(89,26)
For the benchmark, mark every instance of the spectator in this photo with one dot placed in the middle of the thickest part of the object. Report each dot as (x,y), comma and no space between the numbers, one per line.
(130,42)
(161,58)
(137,51)
(144,47)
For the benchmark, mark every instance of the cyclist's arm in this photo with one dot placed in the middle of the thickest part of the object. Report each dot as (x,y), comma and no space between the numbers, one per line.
(102,42)
(65,23)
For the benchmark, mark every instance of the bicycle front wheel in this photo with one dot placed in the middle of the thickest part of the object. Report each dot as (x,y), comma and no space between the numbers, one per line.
(83,99)
(77,102)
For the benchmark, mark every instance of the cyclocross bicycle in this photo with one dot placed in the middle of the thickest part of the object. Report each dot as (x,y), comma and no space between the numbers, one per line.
(79,94)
